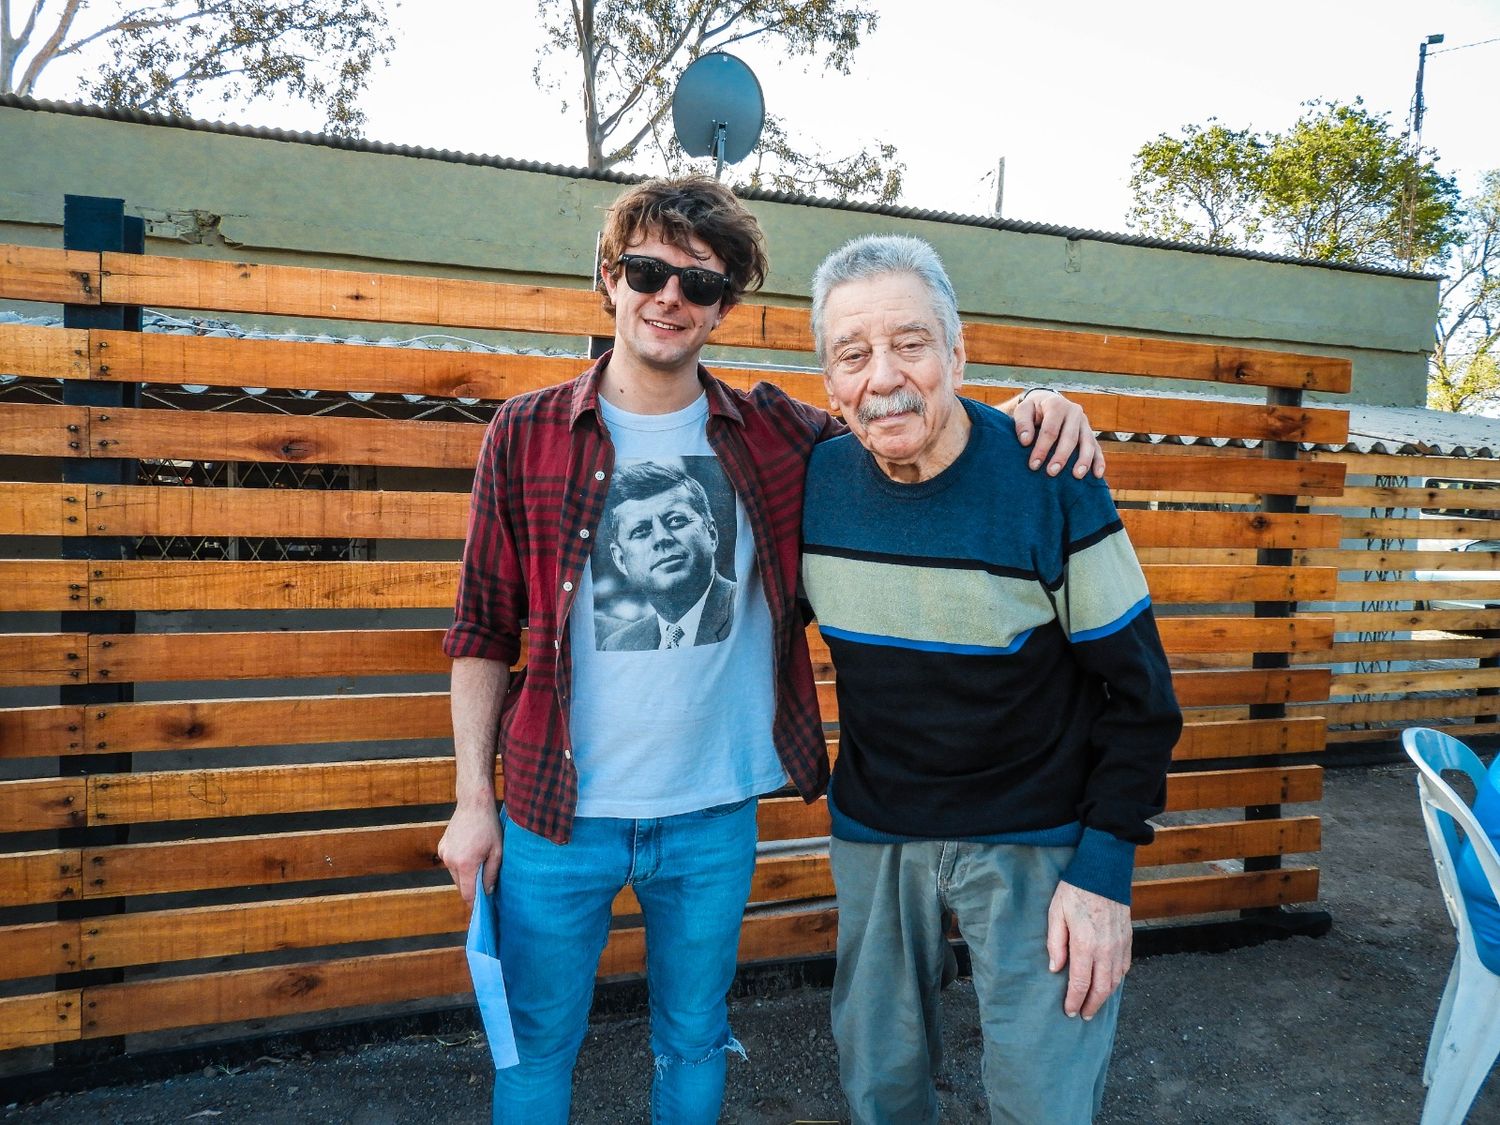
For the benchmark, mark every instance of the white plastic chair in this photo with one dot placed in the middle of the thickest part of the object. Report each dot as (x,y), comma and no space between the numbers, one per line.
(1466,1035)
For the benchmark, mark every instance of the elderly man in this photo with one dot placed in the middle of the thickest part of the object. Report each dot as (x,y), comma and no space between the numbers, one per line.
(627,765)
(1007,712)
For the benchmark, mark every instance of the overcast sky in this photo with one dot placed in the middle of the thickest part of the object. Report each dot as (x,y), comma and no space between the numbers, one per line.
(1065,91)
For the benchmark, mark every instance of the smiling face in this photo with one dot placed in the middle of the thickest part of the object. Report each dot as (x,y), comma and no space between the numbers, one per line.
(665,546)
(889,372)
(661,333)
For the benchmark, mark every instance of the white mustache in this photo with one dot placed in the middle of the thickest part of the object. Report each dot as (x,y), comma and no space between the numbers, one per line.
(903,401)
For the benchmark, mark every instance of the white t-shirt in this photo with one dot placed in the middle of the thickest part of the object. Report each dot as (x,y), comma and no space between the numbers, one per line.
(672,669)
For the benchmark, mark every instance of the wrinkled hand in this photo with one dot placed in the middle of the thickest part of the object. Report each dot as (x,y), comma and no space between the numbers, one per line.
(471,838)
(1060,426)
(1090,934)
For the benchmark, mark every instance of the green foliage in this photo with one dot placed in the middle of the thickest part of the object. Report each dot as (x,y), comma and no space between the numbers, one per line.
(629,54)
(167,56)
(1465,370)
(1339,185)
(1204,186)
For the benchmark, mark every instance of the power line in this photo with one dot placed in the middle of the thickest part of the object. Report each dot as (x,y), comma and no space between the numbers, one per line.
(1464,46)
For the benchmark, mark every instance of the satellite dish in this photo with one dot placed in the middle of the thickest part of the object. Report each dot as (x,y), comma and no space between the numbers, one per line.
(718,110)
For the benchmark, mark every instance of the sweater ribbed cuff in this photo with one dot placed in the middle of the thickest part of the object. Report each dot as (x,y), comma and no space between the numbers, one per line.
(1102,864)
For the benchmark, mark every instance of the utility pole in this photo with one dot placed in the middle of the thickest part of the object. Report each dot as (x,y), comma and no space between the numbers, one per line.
(1418,108)
(1000,188)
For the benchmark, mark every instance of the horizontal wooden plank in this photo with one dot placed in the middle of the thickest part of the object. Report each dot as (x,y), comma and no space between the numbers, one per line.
(44,431)
(1275,685)
(41,509)
(43,803)
(1246,738)
(1453,620)
(1447,679)
(1211,894)
(301,585)
(1229,529)
(37,1020)
(1440,499)
(1396,561)
(791,818)
(1414,527)
(1199,843)
(28,878)
(39,949)
(279,858)
(328,294)
(302,440)
(1392,734)
(1413,467)
(1427,648)
(34,352)
(1482,589)
(43,659)
(36,732)
(196,725)
(37,273)
(1250,634)
(1221,789)
(1410,709)
(305,513)
(1012,346)
(253,790)
(243,656)
(43,585)
(281,990)
(1214,476)
(1176,584)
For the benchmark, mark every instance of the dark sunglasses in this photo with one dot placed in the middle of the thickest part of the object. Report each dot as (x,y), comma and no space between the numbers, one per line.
(648,275)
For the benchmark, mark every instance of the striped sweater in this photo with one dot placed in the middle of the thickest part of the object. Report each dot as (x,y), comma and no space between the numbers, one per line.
(1000,676)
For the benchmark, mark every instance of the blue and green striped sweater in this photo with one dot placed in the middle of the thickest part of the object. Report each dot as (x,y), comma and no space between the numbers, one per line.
(1000,676)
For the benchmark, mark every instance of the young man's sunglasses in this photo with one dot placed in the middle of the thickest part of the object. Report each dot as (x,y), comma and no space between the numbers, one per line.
(645,274)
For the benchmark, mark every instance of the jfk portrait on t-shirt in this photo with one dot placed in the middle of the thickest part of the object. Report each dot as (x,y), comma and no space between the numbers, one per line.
(662,538)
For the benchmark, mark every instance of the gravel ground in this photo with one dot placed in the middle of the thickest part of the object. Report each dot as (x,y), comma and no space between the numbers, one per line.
(1302,1030)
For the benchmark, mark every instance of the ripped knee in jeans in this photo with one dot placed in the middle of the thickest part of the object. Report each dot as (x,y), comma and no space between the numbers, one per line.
(664,1061)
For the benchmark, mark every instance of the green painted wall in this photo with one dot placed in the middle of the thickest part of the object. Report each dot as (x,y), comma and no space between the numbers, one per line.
(211,195)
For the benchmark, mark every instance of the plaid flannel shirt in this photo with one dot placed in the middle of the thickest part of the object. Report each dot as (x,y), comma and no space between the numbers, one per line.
(539,492)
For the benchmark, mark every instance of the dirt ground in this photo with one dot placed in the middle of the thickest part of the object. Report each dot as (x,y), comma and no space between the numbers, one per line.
(1303,1030)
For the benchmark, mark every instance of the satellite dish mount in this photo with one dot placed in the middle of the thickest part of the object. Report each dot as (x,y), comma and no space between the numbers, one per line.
(718,109)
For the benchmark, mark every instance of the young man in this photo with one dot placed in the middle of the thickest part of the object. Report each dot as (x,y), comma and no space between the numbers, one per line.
(624,764)
(1006,712)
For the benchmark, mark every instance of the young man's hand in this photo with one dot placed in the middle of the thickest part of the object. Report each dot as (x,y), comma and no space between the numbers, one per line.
(471,838)
(1054,427)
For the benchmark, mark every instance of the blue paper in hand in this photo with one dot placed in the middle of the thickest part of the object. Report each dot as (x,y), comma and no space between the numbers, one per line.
(483,949)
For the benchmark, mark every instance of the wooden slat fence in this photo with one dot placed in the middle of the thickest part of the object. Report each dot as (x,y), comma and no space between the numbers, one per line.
(268,850)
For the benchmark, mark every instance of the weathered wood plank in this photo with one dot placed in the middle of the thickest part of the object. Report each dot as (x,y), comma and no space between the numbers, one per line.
(222,436)
(1394,591)
(43,585)
(1198,843)
(1177,584)
(1209,894)
(1229,529)
(1412,466)
(196,725)
(37,732)
(1365,683)
(1247,738)
(252,790)
(1455,620)
(1248,634)
(1214,476)
(1277,685)
(43,803)
(1380,560)
(34,352)
(35,1021)
(39,949)
(1222,789)
(41,509)
(244,656)
(305,513)
(37,273)
(300,585)
(1441,499)
(1417,528)
(28,878)
(43,659)
(44,431)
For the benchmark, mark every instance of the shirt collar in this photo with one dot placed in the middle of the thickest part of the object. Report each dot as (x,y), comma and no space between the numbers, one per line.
(586,393)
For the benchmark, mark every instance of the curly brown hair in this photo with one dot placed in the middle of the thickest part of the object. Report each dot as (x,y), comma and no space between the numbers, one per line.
(682,210)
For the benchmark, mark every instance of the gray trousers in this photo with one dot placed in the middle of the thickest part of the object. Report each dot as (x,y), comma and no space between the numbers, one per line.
(1040,1067)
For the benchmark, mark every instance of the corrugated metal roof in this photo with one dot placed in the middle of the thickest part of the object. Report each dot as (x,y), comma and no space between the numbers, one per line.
(1372,429)
(988,222)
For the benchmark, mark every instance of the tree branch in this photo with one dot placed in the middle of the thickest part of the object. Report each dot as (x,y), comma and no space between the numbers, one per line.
(49,49)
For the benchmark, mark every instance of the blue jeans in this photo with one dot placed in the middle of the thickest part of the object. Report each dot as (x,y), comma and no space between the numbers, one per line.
(691,874)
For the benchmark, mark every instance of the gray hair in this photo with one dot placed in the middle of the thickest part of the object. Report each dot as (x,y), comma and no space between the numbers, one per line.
(877,254)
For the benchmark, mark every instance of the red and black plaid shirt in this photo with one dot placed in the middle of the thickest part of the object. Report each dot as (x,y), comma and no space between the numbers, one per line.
(539,492)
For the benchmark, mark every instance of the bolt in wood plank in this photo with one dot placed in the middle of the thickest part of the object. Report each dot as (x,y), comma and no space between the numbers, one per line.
(37,732)
(237,656)
(29,878)
(35,1021)
(35,352)
(41,509)
(43,659)
(43,803)
(43,585)
(39,949)
(37,273)
(44,431)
